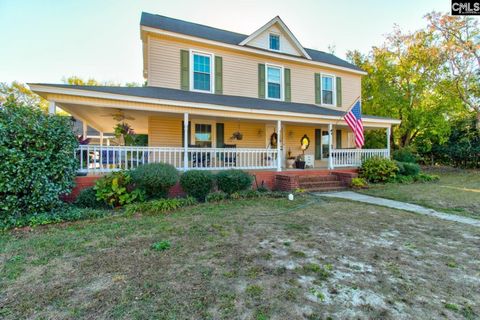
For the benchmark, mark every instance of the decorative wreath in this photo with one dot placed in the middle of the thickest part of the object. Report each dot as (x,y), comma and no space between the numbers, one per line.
(304,142)
(273,140)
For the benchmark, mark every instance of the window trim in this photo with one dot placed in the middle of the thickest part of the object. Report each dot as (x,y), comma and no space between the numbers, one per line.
(282,80)
(274,34)
(212,70)
(334,90)
(194,122)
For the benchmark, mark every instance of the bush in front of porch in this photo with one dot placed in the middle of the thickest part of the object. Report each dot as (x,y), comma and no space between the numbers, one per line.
(155,179)
(36,160)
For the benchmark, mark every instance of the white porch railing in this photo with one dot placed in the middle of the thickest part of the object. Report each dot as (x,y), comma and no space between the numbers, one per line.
(355,157)
(100,159)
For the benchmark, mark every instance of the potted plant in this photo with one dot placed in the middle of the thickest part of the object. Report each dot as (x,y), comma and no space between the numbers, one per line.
(290,159)
(300,163)
(237,136)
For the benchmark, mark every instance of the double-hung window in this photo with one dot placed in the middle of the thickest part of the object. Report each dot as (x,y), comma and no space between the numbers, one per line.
(202,66)
(274,82)
(274,42)
(328,96)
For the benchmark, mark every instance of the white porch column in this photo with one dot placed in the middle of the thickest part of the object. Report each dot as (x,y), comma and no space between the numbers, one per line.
(279,139)
(101,138)
(52,108)
(389,132)
(185,141)
(330,144)
(85,129)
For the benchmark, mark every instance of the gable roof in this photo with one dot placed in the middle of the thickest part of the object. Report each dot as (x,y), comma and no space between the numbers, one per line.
(207,98)
(284,27)
(228,37)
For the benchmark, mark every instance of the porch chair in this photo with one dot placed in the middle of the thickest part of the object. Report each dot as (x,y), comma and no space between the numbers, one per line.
(199,159)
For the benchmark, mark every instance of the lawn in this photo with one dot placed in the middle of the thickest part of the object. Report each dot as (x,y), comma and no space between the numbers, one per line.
(457,192)
(249,259)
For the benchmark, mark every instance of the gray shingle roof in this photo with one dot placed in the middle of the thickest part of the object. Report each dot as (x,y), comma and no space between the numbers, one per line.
(220,35)
(214,99)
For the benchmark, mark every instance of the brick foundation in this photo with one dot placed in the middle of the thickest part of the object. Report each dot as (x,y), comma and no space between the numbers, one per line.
(282,181)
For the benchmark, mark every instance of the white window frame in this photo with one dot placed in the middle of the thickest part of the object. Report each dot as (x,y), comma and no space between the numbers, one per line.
(213,123)
(282,85)
(212,70)
(334,89)
(279,42)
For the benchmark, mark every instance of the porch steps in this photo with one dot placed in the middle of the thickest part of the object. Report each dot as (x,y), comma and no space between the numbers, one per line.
(322,183)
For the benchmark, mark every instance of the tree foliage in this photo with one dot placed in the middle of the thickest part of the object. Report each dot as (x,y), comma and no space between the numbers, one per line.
(21,94)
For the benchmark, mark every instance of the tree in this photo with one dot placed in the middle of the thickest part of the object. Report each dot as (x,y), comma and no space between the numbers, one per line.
(405,81)
(21,94)
(458,37)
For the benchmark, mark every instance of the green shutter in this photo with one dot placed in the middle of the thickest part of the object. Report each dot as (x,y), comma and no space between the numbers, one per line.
(261,80)
(218,75)
(184,69)
(220,135)
(338,139)
(288,88)
(339,92)
(317,88)
(189,133)
(318,144)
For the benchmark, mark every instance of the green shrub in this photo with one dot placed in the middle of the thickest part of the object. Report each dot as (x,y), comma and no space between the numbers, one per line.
(231,181)
(407,168)
(378,170)
(159,206)
(37,160)
(117,189)
(404,155)
(358,183)
(197,183)
(63,213)
(155,179)
(403,179)
(161,245)
(216,196)
(423,177)
(87,198)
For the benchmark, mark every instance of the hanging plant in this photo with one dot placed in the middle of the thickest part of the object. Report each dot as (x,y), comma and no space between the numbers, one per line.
(237,135)
(124,132)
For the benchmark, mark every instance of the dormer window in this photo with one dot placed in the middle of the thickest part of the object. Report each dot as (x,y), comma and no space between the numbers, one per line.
(274,42)
(201,71)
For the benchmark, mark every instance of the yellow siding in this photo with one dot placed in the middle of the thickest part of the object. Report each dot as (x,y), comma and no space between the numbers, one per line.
(293,134)
(164,131)
(240,71)
(253,134)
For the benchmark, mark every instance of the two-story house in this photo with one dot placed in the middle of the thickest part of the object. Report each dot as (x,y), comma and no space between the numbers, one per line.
(217,99)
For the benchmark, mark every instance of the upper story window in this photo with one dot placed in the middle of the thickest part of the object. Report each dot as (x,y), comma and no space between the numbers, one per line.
(201,71)
(274,82)
(328,96)
(274,42)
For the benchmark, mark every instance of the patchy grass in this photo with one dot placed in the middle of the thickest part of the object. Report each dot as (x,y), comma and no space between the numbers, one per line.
(457,191)
(250,259)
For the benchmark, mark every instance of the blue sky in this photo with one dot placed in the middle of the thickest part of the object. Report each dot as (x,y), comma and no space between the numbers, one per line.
(45,40)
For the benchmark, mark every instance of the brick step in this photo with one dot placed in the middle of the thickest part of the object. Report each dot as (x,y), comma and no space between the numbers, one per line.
(302,179)
(321,184)
(327,189)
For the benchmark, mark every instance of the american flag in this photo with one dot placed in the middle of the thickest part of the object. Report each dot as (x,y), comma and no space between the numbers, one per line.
(354,120)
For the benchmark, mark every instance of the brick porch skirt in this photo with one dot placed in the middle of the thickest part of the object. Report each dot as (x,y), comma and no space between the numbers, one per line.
(283,181)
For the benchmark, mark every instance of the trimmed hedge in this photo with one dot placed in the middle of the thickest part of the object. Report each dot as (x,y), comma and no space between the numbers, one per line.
(378,170)
(230,181)
(155,179)
(197,183)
